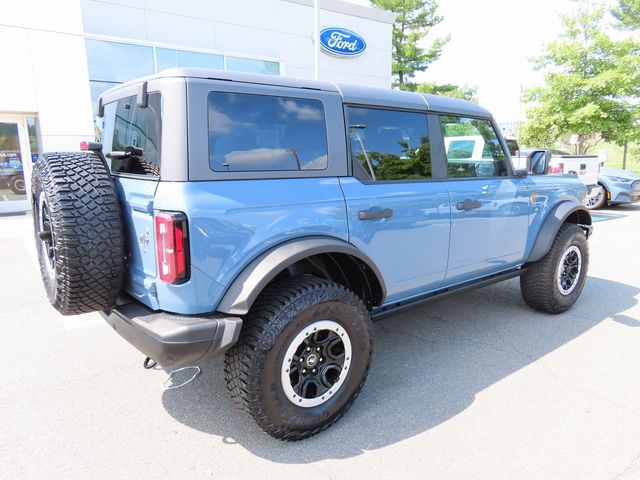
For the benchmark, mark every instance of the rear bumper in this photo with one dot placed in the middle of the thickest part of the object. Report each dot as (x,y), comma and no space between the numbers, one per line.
(172,340)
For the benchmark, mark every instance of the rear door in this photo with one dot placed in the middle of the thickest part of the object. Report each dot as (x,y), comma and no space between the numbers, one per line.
(489,205)
(131,142)
(398,214)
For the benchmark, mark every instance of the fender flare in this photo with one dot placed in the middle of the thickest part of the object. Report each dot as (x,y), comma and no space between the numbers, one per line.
(248,284)
(552,224)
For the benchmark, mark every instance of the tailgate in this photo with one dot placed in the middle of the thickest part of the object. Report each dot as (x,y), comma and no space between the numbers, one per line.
(586,167)
(136,199)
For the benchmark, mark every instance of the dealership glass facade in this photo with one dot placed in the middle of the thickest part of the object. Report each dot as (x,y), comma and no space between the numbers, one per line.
(111,63)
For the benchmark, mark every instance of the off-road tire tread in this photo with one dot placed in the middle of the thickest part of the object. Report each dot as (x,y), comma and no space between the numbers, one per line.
(88,229)
(243,363)
(537,285)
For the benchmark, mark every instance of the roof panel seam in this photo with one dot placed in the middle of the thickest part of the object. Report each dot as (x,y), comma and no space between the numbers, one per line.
(425,100)
(339,90)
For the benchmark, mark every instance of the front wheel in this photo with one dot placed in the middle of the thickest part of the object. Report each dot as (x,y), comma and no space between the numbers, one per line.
(597,199)
(554,283)
(302,357)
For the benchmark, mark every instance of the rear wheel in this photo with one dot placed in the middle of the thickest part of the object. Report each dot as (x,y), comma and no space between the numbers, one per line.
(554,283)
(78,232)
(302,357)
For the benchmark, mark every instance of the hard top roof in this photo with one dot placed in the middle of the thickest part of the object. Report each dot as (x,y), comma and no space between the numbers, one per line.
(351,94)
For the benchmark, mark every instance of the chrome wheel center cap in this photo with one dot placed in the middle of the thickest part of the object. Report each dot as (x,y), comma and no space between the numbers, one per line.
(312,360)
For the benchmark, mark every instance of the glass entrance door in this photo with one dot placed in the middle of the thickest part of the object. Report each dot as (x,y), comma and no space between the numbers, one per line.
(15,164)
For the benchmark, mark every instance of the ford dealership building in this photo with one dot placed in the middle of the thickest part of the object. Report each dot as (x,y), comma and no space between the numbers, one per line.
(59,56)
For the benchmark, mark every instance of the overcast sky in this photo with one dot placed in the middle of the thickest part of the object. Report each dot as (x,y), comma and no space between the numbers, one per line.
(491,43)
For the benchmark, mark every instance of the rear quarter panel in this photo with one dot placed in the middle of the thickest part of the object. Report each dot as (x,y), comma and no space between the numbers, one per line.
(232,222)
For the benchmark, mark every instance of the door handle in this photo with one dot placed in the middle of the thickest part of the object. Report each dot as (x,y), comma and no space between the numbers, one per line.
(375,213)
(468,205)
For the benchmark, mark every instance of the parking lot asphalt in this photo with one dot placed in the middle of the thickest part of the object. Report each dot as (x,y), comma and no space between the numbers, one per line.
(473,387)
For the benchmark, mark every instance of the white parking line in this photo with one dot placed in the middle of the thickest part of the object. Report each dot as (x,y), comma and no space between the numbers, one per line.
(77,322)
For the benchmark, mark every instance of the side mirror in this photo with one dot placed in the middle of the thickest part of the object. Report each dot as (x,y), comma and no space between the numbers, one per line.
(538,162)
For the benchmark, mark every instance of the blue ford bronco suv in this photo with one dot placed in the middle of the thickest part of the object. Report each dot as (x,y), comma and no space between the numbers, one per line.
(272,218)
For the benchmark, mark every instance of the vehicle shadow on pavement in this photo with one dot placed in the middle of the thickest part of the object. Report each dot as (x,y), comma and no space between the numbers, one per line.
(428,365)
(621,208)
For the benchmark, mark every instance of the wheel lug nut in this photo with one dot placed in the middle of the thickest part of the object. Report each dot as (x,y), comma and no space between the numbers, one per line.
(308,349)
(313,371)
(304,370)
(318,349)
(321,359)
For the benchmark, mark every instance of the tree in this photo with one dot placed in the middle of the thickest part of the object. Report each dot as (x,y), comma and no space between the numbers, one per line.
(627,14)
(592,87)
(412,163)
(415,19)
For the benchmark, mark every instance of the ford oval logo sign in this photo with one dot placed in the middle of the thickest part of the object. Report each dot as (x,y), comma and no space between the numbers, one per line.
(341,42)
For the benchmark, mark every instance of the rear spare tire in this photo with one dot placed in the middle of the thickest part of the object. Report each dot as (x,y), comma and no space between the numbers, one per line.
(78,231)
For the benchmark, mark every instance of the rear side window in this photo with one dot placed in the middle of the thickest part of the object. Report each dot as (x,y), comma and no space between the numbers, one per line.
(265,133)
(472,148)
(389,144)
(513,147)
(133,135)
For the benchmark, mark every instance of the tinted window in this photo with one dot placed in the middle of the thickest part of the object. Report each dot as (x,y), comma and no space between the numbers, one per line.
(389,144)
(513,147)
(253,66)
(472,148)
(135,136)
(171,58)
(118,62)
(265,133)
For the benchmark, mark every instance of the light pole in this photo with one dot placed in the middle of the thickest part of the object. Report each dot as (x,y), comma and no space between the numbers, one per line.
(316,38)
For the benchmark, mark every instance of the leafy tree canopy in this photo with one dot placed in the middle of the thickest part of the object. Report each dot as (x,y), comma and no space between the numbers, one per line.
(627,14)
(592,87)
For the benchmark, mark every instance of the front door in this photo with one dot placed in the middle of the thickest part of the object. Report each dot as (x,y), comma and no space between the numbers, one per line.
(398,215)
(15,164)
(489,206)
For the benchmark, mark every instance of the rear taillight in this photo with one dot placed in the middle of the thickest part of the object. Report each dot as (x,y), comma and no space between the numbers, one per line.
(172,247)
(558,168)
